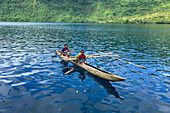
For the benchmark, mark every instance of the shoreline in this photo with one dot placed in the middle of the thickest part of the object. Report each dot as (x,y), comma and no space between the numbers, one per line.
(84,22)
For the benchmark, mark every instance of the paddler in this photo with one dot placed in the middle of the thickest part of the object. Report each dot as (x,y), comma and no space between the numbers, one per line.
(65,51)
(81,57)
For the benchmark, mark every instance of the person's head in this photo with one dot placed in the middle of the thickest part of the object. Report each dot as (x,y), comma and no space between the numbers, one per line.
(65,45)
(82,52)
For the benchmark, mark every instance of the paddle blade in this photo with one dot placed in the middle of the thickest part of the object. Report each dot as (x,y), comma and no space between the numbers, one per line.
(53,56)
(143,67)
(69,71)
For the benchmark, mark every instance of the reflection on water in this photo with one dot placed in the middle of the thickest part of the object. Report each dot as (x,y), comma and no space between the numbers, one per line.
(66,69)
(106,84)
(32,81)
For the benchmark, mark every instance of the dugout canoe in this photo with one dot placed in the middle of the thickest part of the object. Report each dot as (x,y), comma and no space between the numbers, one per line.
(92,69)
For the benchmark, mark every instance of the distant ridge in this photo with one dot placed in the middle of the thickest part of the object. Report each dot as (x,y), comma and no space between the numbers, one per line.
(86,11)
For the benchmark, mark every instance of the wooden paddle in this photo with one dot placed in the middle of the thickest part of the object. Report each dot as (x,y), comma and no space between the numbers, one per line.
(66,73)
(53,56)
(74,67)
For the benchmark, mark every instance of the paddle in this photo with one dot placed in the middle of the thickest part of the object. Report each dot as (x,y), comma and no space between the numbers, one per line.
(74,67)
(53,56)
(56,55)
(66,73)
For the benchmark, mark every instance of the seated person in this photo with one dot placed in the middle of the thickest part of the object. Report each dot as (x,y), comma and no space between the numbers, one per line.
(65,51)
(81,57)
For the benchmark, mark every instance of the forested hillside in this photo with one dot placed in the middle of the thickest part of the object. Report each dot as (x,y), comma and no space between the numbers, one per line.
(86,11)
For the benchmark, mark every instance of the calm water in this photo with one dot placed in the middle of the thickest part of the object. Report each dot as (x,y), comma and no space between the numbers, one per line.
(33,82)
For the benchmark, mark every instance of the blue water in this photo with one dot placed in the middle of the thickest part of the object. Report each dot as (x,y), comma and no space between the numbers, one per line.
(33,82)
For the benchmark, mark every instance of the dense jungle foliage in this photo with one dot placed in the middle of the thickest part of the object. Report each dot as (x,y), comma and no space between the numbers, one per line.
(86,11)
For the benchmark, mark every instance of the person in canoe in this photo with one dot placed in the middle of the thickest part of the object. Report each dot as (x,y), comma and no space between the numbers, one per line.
(65,51)
(81,57)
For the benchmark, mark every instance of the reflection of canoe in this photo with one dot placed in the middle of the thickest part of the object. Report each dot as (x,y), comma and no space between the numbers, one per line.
(107,85)
(94,70)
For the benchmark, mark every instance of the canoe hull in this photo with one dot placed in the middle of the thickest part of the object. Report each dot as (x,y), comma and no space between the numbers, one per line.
(93,70)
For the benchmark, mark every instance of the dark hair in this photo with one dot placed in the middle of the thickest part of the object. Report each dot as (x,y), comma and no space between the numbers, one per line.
(65,44)
(82,50)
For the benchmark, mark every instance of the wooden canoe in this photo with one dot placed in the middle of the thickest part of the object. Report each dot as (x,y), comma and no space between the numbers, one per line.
(92,69)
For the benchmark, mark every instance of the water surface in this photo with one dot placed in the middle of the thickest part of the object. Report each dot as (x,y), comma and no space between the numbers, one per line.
(33,82)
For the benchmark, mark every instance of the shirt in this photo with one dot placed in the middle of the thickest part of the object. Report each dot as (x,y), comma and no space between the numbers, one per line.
(64,50)
(82,56)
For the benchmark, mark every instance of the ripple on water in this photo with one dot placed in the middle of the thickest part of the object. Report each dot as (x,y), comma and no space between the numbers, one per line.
(32,81)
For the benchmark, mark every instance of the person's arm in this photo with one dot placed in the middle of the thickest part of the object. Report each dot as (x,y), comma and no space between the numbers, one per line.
(72,51)
(62,52)
(85,59)
(79,59)
(82,60)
